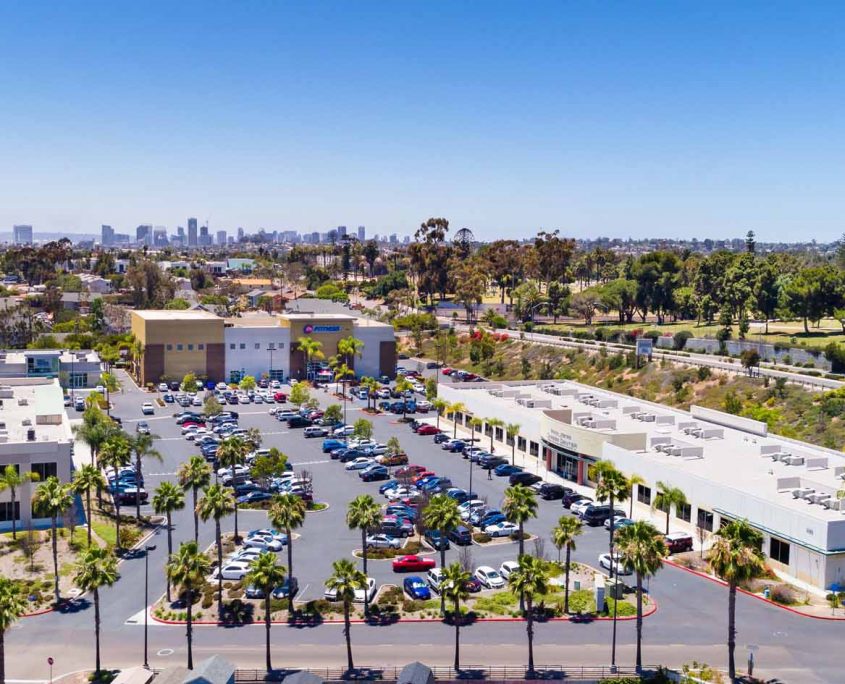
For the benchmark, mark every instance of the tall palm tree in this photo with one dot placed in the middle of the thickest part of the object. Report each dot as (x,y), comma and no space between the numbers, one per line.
(287,512)
(12,478)
(633,481)
(167,498)
(116,454)
(12,606)
(519,506)
(453,587)
(668,496)
(52,498)
(111,384)
(453,410)
(342,372)
(493,423)
(94,430)
(442,514)
(136,351)
(216,502)
(85,479)
(345,580)
(232,453)
(195,474)
(311,348)
(641,547)
(187,569)
(439,405)
(531,580)
(142,445)
(403,385)
(512,431)
(97,568)
(363,513)
(372,386)
(265,575)
(563,536)
(736,557)
(350,347)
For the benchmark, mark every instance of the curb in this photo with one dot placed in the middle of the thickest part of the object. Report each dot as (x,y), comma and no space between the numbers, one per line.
(774,604)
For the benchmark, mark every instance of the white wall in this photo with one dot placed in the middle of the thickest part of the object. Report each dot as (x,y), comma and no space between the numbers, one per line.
(254,361)
(372,337)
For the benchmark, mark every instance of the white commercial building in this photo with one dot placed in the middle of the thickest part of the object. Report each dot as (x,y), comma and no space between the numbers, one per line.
(73,368)
(728,467)
(35,436)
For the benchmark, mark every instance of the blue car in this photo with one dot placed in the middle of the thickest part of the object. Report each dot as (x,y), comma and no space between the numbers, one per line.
(401,509)
(254,497)
(506,469)
(168,398)
(416,588)
(390,484)
(330,445)
(460,495)
(374,473)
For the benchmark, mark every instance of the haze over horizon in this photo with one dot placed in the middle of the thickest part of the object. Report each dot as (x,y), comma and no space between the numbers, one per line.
(646,120)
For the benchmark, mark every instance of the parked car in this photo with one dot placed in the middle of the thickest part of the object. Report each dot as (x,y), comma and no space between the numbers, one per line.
(453,445)
(618,521)
(343,431)
(396,526)
(147,408)
(142,427)
(374,473)
(550,491)
(393,459)
(506,469)
(678,542)
(489,577)
(331,444)
(236,570)
(501,529)
(525,479)
(570,498)
(369,592)
(507,568)
(413,564)
(382,541)
(315,431)
(290,587)
(579,506)
(595,514)
(618,567)
(416,588)
(461,535)
(359,463)
(434,578)
(441,437)
(254,497)
(436,540)
(299,422)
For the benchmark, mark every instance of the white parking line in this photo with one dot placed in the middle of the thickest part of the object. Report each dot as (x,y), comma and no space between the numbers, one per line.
(161,474)
(302,463)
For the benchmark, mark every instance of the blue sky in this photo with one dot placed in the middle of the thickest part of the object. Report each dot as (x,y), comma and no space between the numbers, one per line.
(598,118)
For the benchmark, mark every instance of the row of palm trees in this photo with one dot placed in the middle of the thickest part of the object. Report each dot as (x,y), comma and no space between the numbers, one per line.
(445,408)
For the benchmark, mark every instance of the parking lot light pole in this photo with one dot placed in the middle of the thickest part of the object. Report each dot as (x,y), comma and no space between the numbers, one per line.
(147,550)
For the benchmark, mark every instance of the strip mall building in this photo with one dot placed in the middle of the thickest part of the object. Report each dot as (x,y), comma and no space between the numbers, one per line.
(259,344)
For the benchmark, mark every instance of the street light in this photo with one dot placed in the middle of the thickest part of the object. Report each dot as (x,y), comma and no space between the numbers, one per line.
(147,550)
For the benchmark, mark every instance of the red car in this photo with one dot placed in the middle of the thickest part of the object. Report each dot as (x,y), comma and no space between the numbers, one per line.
(447,371)
(410,470)
(419,476)
(280,397)
(427,430)
(413,564)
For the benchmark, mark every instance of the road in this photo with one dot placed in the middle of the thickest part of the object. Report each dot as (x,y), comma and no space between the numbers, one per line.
(691,622)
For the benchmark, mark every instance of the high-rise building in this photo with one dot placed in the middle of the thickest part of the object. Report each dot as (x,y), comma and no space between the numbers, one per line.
(192,232)
(203,239)
(362,233)
(180,233)
(160,236)
(240,234)
(341,232)
(221,237)
(144,234)
(106,235)
(22,234)
(394,239)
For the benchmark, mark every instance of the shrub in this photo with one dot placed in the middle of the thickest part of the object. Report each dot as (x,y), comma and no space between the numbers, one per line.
(679,339)
(785,595)
(481,537)
(652,335)
(703,373)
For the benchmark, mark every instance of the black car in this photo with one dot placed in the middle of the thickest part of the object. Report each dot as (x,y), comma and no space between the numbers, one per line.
(174,386)
(434,539)
(461,535)
(526,479)
(441,437)
(571,497)
(489,462)
(290,587)
(299,422)
(596,514)
(549,491)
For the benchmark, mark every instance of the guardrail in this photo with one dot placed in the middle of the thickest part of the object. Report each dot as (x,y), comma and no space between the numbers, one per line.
(507,673)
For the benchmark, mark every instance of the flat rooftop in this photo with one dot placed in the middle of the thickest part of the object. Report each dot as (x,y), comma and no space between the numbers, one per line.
(33,403)
(175,315)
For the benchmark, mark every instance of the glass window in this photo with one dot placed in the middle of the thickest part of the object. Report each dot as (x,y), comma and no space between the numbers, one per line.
(499,434)
(190,347)
(779,551)
(243,345)
(534,449)
(178,347)
(169,347)
(705,519)
(6,511)
(644,494)
(510,440)
(44,470)
(232,345)
(281,345)
(520,443)
(271,345)
(258,345)
(201,347)
(683,512)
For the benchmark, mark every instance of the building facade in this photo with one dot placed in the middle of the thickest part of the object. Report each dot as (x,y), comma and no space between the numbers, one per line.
(73,368)
(22,234)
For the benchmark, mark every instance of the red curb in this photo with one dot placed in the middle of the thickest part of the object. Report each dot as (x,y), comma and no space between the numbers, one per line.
(774,604)
(39,612)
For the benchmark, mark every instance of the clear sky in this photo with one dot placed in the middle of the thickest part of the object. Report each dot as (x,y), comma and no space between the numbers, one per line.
(599,118)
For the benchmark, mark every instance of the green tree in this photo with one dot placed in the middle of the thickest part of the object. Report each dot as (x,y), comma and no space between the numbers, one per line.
(363,514)
(194,474)
(493,423)
(564,535)
(349,348)
(642,548)
(403,385)
(247,383)
(668,496)
(311,348)
(453,587)
(300,393)
(85,479)
(344,581)
(12,478)
(265,575)
(813,293)
(267,466)
(736,558)
(232,453)
(116,454)
(393,446)
(167,498)
(189,383)
(287,512)
(13,604)
(750,359)
(439,406)
(453,410)
(142,447)
(187,569)
(512,432)
(442,514)
(211,406)
(111,384)
(97,568)
(216,502)
(633,481)
(363,429)
(333,414)
(52,499)
(530,580)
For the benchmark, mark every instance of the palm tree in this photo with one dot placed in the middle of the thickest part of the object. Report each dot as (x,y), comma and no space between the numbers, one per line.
(111,384)
(345,580)
(493,423)
(520,505)
(136,351)
(442,514)
(350,347)
(216,502)
(232,453)
(439,406)
(563,536)
(97,568)
(736,557)
(633,481)
(668,496)
(363,514)
(142,445)
(12,606)
(512,431)
(311,348)
(475,423)
(166,499)
(116,454)
(531,580)
(403,385)
(372,386)
(288,512)
(94,430)
(195,474)
(187,569)
(453,587)
(641,547)
(11,478)
(52,498)
(453,410)
(265,575)
(85,479)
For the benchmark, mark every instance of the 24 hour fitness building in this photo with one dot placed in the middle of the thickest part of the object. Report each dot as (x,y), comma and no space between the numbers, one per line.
(227,349)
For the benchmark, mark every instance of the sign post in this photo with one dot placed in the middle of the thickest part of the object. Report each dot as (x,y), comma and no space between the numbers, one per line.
(50,663)
(645,347)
